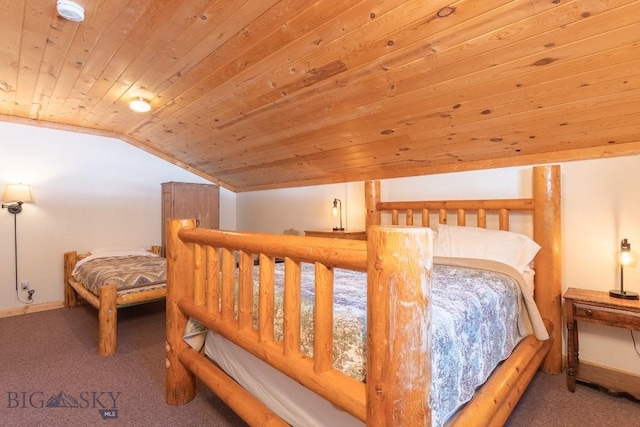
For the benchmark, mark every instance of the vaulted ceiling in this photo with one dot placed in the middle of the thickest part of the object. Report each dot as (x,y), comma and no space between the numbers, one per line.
(279,93)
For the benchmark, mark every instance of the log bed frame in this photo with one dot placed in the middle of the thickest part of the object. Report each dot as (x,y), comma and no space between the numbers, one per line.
(200,283)
(107,302)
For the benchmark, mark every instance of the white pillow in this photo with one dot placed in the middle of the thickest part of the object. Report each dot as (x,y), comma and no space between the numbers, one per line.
(115,249)
(514,249)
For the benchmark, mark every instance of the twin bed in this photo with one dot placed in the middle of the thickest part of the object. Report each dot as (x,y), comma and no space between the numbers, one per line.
(113,278)
(302,318)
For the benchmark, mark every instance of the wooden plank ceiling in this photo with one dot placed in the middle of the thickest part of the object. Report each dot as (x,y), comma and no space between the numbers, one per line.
(270,94)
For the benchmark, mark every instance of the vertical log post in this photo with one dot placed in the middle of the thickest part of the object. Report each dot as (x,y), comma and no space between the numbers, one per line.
(70,295)
(180,381)
(108,321)
(399,326)
(371,198)
(547,232)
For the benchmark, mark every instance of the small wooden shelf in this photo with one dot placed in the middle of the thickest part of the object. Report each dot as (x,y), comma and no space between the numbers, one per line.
(345,234)
(613,382)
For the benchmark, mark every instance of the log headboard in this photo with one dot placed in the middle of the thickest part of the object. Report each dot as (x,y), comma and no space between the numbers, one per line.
(545,208)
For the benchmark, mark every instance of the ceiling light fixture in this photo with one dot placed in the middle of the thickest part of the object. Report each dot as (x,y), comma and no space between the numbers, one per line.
(140,105)
(70,10)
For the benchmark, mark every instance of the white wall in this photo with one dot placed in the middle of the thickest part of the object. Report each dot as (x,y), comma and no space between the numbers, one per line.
(89,191)
(600,206)
(303,208)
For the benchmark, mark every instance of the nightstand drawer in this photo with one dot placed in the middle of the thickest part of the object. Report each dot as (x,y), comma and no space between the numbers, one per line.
(607,315)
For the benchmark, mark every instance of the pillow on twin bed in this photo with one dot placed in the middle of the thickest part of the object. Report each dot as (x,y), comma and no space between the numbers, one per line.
(111,252)
(129,252)
(514,249)
(116,249)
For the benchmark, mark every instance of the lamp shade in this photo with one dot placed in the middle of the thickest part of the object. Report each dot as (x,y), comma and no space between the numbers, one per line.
(14,193)
(337,211)
(627,257)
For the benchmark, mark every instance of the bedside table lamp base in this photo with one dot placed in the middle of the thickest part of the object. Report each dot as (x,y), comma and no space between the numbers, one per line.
(617,293)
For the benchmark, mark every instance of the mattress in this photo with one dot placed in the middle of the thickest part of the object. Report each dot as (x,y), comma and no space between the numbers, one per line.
(294,403)
(480,312)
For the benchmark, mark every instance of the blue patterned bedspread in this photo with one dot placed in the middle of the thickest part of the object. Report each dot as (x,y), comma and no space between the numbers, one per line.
(474,326)
(476,323)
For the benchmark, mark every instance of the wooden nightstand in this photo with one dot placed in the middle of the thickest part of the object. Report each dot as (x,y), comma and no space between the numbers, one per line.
(354,235)
(599,307)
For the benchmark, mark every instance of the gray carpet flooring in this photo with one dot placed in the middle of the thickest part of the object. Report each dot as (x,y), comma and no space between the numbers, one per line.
(51,375)
(548,402)
(54,355)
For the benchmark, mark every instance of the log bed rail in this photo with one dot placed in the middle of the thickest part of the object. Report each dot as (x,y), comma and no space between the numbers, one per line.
(201,283)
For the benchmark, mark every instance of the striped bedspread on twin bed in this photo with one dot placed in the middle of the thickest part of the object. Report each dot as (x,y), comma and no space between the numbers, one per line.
(478,317)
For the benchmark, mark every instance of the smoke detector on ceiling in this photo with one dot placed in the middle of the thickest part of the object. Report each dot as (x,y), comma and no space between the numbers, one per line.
(70,10)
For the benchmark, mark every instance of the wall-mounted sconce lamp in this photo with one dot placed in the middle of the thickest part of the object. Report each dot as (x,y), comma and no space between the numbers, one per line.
(15,195)
(628,258)
(337,210)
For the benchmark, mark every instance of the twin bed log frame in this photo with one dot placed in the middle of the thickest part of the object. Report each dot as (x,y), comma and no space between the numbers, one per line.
(397,259)
(107,302)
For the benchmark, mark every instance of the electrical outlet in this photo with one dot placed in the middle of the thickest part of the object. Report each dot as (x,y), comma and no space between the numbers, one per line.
(25,285)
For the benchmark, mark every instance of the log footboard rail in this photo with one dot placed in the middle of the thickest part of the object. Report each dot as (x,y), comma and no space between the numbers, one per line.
(201,283)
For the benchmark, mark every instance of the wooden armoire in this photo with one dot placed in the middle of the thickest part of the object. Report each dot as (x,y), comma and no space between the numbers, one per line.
(185,200)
